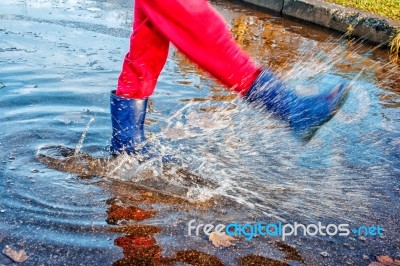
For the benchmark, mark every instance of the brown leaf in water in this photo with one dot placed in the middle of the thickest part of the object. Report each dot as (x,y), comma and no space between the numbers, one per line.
(375,263)
(221,240)
(17,256)
(386,260)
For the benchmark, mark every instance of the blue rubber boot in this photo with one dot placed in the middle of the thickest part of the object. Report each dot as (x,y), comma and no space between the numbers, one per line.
(304,113)
(127,119)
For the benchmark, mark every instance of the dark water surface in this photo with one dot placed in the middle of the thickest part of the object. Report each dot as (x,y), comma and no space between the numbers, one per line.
(60,59)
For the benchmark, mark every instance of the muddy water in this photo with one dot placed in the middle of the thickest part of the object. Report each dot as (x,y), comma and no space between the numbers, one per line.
(58,61)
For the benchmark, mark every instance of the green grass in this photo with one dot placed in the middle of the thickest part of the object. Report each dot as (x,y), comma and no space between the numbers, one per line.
(387,8)
(395,48)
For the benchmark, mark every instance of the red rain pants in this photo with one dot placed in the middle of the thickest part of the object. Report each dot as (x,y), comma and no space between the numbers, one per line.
(197,30)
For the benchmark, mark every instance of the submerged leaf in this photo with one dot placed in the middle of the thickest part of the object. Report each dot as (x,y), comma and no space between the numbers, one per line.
(221,239)
(376,264)
(386,260)
(17,256)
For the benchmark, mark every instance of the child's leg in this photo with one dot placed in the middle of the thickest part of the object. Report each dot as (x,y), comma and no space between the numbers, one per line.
(145,59)
(196,29)
(199,32)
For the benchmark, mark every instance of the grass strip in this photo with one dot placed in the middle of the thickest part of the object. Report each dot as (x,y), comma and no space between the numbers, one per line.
(387,8)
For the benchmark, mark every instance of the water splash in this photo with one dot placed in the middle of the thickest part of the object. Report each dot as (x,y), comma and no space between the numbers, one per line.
(256,162)
(80,143)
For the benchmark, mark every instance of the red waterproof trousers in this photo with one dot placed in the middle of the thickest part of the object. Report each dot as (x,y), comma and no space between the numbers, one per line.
(197,30)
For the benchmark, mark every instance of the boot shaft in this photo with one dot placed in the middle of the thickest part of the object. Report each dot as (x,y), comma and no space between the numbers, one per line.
(127,119)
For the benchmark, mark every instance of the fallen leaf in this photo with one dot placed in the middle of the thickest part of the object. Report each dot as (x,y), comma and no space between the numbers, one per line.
(221,240)
(17,256)
(376,264)
(386,260)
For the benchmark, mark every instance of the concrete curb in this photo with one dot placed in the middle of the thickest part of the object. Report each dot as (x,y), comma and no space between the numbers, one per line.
(364,25)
